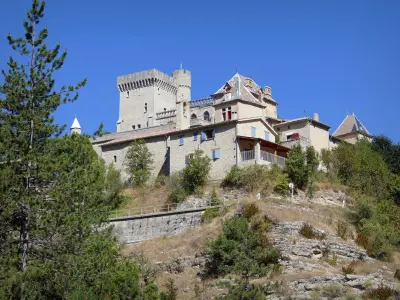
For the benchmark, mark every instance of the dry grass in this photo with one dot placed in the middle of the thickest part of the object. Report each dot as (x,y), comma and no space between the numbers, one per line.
(336,187)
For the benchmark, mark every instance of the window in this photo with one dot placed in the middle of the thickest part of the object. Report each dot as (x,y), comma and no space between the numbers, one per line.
(227,114)
(206,116)
(195,136)
(288,127)
(181,140)
(266,136)
(208,134)
(115,158)
(138,126)
(127,94)
(133,126)
(188,157)
(145,108)
(193,116)
(253,131)
(216,154)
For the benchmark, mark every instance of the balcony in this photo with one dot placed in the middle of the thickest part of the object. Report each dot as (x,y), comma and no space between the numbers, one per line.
(249,156)
(199,122)
(296,139)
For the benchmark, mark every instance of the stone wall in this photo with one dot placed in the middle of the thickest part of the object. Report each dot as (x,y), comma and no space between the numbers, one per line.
(141,228)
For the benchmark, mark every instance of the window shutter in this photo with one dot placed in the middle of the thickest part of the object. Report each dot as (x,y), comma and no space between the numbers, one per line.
(195,136)
(203,136)
(253,131)
(216,153)
(181,140)
(266,136)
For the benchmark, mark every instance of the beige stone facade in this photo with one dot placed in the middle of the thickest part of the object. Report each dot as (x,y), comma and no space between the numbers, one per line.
(236,126)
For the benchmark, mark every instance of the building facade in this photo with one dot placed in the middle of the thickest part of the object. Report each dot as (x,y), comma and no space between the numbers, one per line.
(238,125)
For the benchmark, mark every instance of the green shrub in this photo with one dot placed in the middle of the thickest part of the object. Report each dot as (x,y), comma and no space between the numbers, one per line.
(341,230)
(251,178)
(239,249)
(250,209)
(234,179)
(196,172)
(380,293)
(215,200)
(282,184)
(210,213)
(309,233)
(349,268)
(171,292)
(243,290)
(333,261)
(161,180)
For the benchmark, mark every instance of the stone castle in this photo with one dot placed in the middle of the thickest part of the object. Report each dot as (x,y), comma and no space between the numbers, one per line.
(238,125)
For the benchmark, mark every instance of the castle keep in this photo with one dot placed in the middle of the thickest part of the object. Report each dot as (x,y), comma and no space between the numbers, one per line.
(237,125)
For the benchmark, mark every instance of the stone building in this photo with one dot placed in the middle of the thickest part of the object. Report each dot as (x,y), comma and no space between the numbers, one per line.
(351,130)
(238,125)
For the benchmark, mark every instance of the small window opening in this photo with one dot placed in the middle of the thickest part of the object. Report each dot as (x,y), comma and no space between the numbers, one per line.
(138,126)
(165,109)
(133,126)
(193,116)
(209,134)
(127,94)
(206,116)
(145,108)
(115,158)
(227,114)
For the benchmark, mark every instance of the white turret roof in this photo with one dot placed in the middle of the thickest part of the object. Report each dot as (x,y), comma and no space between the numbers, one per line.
(75,124)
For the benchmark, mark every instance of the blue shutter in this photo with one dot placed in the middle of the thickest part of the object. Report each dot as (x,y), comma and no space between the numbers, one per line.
(195,136)
(181,140)
(266,136)
(213,133)
(203,136)
(253,131)
(216,153)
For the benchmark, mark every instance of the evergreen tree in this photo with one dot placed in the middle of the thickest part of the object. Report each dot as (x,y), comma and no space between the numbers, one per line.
(139,162)
(100,130)
(54,194)
(296,167)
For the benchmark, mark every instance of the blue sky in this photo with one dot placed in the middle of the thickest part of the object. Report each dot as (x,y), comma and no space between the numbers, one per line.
(331,57)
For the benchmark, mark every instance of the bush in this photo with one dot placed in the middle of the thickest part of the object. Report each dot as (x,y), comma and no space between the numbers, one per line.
(380,293)
(209,214)
(282,184)
(341,229)
(172,291)
(239,249)
(350,268)
(309,233)
(362,241)
(332,291)
(243,290)
(251,178)
(215,200)
(249,210)
(196,172)
(333,261)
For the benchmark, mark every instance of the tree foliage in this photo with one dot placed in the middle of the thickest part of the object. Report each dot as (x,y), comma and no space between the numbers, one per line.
(100,130)
(242,248)
(138,162)
(389,151)
(55,191)
(196,173)
(296,167)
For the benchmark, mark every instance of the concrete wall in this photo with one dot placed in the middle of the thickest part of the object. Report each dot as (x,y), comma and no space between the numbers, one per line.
(300,127)
(246,110)
(271,110)
(133,230)
(156,145)
(244,129)
(319,137)
(224,140)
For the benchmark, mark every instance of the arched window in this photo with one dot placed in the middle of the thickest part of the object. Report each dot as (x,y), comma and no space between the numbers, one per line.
(206,116)
(193,116)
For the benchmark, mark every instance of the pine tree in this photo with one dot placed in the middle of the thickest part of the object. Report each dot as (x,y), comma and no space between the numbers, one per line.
(54,194)
(138,162)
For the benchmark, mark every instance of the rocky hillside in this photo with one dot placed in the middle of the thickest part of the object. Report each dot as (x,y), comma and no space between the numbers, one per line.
(319,258)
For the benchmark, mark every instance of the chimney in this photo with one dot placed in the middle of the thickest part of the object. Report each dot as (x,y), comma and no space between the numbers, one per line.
(316,117)
(267,91)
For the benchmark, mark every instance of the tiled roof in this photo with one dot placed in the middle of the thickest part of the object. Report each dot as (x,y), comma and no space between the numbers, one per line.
(243,88)
(139,135)
(299,120)
(351,124)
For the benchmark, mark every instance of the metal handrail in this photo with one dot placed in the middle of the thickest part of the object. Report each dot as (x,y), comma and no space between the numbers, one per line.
(248,155)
